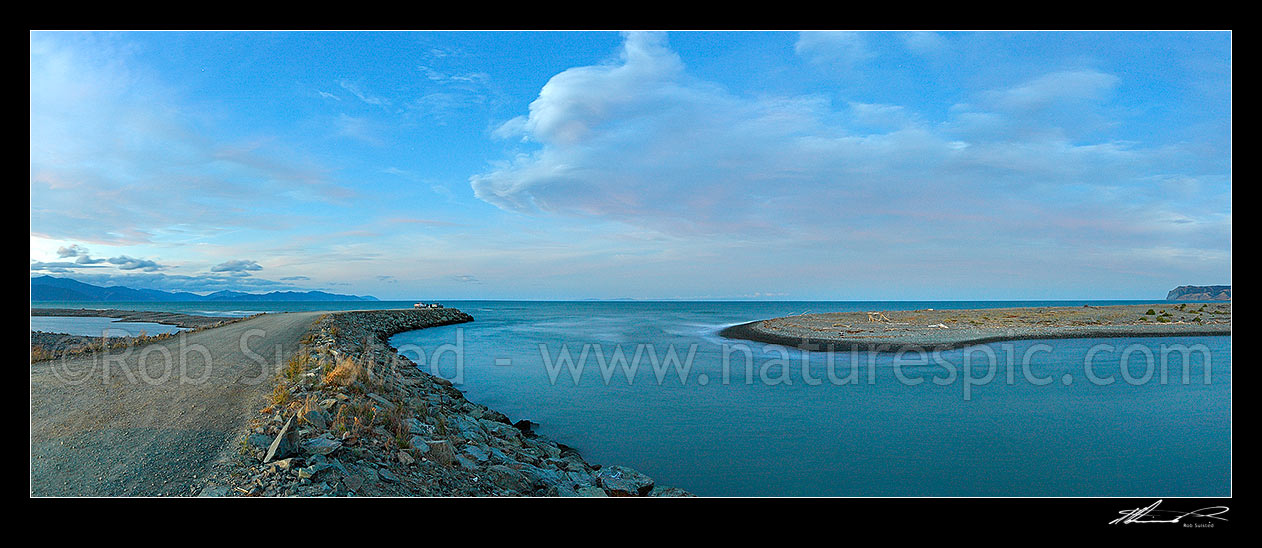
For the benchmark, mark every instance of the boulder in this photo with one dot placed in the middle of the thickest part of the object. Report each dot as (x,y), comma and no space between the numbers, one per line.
(624,481)
(316,418)
(659,491)
(258,443)
(591,491)
(387,475)
(440,452)
(478,454)
(321,446)
(285,444)
(509,479)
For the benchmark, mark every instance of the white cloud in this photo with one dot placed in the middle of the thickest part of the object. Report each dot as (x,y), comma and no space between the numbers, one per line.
(119,157)
(243,266)
(1054,88)
(925,43)
(362,95)
(640,141)
(840,49)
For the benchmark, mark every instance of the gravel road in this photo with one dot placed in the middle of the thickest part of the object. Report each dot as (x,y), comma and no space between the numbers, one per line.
(101,425)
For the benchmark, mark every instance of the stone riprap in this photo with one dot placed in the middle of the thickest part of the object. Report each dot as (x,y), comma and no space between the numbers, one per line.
(350,416)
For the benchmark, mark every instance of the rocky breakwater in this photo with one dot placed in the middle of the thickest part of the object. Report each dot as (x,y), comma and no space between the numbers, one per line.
(350,416)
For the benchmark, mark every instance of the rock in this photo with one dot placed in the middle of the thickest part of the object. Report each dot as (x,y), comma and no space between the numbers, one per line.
(493,415)
(659,491)
(552,451)
(580,477)
(508,478)
(477,453)
(405,459)
(215,491)
(387,475)
(352,482)
(384,402)
(313,470)
(624,481)
(322,446)
(469,429)
(591,491)
(561,491)
(525,426)
(316,418)
(419,444)
(499,429)
(418,428)
(258,443)
(285,444)
(543,477)
(283,464)
(440,452)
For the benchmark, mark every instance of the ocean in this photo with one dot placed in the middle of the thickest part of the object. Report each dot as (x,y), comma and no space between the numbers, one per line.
(652,386)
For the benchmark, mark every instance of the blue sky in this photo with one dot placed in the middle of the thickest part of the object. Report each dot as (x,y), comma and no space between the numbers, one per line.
(706,165)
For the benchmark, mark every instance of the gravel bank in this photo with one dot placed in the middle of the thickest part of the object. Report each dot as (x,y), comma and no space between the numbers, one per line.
(165,318)
(351,417)
(892,331)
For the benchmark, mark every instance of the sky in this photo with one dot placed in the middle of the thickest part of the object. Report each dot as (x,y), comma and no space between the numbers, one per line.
(645,165)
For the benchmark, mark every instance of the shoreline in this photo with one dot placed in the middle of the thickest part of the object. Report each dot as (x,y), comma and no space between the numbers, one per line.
(351,416)
(897,331)
(185,321)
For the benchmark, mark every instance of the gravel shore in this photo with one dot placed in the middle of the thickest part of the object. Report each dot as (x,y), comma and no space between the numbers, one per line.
(892,331)
(165,318)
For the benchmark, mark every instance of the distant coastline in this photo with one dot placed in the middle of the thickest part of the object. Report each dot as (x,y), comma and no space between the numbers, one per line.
(50,288)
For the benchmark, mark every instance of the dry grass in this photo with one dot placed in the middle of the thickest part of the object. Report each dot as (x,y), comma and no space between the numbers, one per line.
(356,418)
(347,373)
(280,395)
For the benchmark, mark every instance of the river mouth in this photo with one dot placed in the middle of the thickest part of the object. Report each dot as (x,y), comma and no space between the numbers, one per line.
(750,419)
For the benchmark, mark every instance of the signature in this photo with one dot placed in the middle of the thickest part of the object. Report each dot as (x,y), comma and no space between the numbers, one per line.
(1150,514)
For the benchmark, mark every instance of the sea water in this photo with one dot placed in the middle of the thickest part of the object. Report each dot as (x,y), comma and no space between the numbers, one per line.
(1143,417)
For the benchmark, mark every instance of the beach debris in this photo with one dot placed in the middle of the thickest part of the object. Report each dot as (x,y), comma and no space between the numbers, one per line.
(878,317)
(941,325)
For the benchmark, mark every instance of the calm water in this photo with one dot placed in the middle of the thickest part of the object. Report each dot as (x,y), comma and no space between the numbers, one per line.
(787,429)
(96,327)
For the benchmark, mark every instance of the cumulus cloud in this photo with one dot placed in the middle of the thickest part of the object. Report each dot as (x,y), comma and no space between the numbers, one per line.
(124,262)
(80,254)
(641,141)
(82,259)
(239,266)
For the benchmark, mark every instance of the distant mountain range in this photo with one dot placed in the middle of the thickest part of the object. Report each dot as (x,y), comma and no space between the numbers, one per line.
(48,288)
(1200,293)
